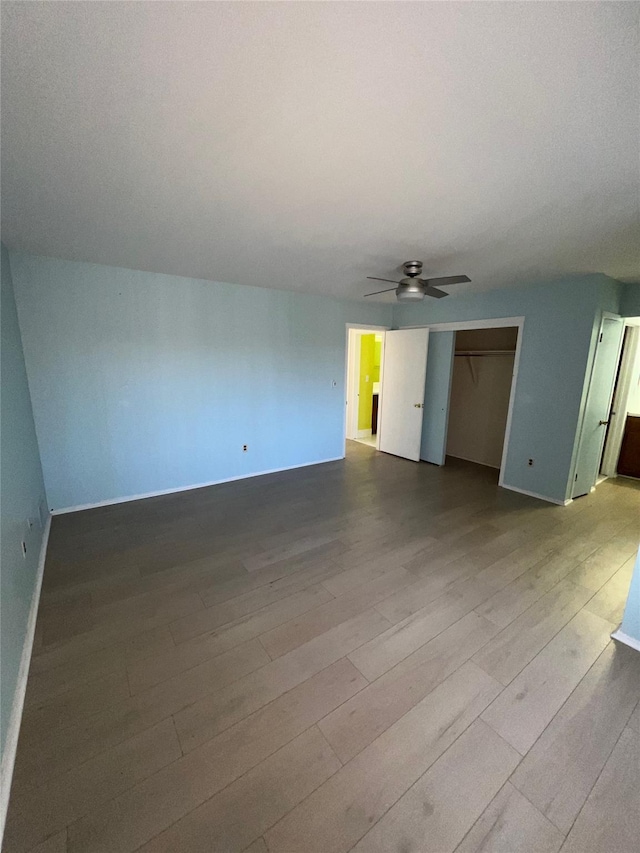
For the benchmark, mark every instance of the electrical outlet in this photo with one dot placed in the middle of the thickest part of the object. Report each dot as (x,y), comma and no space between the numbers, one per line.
(245,447)
(530,463)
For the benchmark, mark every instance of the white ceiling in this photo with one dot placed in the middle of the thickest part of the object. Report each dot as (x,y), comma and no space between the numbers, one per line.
(307,145)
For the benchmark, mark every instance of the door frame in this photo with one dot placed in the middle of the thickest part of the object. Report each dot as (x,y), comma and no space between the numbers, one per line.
(621,392)
(352,370)
(605,315)
(495,323)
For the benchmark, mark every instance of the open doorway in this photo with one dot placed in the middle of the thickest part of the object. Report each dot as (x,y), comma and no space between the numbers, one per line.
(621,453)
(365,354)
(472,371)
(598,405)
(483,367)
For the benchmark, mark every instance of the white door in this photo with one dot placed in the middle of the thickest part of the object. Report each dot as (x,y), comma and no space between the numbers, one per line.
(437,392)
(596,416)
(405,365)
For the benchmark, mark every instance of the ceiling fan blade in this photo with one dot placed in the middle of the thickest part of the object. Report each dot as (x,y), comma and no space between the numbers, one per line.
(448,279)
(433,291)
(373,278)
(388,290)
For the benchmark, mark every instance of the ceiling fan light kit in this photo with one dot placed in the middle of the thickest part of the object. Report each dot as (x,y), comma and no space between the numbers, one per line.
(409,292)
(414,289)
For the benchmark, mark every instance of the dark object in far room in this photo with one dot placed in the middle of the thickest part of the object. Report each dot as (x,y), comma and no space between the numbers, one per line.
(629,461)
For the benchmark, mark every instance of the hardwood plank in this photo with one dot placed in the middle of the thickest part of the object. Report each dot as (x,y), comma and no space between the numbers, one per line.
(375,566)
(634,721)
(77,703)
(293,574)
(296,546)
(258,846)
(398,642)
(600,566)
(359,721)
(204,719)
(562,766)
(241,812)
(517,597)
(121,649)
(610,601)
(610,819)
(515,646)
(147,672)
(56,844)
(51,675)
(193,576)
(231,609)
(314,622)
(525,707)
(342,810)
(436,812)
(49,753)
(111,631)
(509,568)
(154,804)
(411,599)
(49,807)
(510,824)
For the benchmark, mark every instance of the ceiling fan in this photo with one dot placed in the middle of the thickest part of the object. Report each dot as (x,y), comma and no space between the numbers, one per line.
(413,288)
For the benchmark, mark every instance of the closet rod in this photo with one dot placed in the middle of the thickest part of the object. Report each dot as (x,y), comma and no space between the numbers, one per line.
(479,353)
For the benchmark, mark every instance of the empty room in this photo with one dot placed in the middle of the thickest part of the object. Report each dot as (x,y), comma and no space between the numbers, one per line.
(320,427)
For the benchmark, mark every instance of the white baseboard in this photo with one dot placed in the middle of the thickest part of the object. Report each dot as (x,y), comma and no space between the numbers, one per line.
(621,637)
(536,495)
(13,728)
(112,501)
(363,433)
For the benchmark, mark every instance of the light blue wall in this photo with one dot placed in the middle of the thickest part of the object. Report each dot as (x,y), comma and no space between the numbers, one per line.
(631,619)
(557,347)
(436,396)
(143,382)
(21,495)
(630,301)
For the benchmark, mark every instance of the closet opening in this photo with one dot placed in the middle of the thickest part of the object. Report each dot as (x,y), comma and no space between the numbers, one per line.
(471,377)
(481,381)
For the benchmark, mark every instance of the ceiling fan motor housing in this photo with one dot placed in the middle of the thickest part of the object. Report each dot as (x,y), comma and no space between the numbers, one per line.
(412,268)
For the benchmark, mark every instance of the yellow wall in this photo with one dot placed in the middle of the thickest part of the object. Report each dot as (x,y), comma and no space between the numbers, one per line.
(377,357)
(366,380)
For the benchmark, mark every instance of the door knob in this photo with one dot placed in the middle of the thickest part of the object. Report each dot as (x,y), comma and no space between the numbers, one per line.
(602,423)
(418,405)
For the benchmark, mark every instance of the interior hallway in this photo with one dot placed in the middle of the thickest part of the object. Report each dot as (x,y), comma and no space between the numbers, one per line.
(369,654)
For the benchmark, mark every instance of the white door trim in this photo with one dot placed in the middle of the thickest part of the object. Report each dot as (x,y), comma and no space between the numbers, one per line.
(620,401)
(495,323)
(604,315)
(463,325)
(351,371)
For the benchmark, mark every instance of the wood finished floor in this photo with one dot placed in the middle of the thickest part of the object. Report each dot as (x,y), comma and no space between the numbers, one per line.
(367,655)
